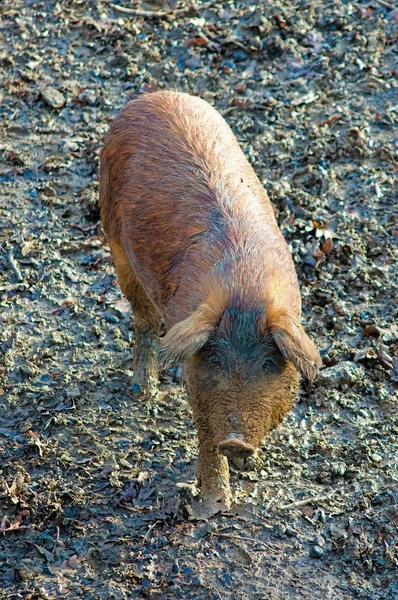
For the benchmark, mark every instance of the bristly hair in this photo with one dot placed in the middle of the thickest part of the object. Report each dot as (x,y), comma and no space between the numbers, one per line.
(239,347)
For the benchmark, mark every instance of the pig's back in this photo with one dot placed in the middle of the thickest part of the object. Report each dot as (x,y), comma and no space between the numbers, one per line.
(178,194)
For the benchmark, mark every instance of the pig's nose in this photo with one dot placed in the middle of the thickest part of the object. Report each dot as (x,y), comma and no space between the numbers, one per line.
(236,446)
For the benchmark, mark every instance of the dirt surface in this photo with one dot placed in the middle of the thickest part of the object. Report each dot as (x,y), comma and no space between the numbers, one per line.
(97,489)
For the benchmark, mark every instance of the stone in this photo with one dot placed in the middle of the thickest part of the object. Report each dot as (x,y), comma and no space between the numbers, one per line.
(52,97)
(345,372)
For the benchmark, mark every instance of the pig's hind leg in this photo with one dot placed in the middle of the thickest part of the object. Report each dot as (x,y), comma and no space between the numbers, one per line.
(147,322)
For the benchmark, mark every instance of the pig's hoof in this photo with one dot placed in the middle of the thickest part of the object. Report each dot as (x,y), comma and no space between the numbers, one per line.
(145,387)
(236,447)
(215,494)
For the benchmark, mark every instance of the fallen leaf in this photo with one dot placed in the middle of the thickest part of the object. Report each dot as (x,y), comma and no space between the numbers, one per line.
(46,553)
(315,255)
(304,99)
(327,246)
(330,120)
(337,532)
(198,41)
(240,88)
(249,72)
(365,353)
(72,563)
(308,511)
(26,247)
(202,511)
(371,330)
(384,358)
(36,441)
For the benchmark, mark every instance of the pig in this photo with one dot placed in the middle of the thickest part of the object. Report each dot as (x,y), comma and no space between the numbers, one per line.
(196,246)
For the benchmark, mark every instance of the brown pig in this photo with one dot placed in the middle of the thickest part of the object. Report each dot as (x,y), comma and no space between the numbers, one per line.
(195,243)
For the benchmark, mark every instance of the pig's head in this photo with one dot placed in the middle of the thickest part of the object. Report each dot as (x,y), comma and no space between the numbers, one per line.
(242,370)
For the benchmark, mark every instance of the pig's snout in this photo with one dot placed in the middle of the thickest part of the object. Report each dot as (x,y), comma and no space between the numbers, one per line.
(235,446)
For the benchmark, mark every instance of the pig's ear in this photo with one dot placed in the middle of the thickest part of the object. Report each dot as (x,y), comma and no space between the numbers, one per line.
(187,337)
(296,346)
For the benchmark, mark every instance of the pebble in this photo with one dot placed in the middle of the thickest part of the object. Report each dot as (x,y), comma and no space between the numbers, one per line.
(316,552)
(110,318)
(239,55)
(193,62)
(321,516)
(73,392)
(53,97)
(344,372)
(278,530)
(376,458)
(175,568)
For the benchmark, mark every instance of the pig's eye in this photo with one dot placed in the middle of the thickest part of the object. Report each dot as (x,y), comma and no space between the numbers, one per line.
(270,364)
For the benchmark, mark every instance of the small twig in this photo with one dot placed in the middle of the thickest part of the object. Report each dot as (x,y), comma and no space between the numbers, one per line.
(56,541)
(270,503)
(266,525)
(9,493)
(385,4)
(150,14)
(303,502)
(21,527)
(13,265)
(150,529)
(240,538)
(13,526)
(85,229)
(139,12)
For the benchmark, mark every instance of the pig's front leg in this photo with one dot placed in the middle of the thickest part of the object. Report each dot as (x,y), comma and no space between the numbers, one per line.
(145,360)
(213,470)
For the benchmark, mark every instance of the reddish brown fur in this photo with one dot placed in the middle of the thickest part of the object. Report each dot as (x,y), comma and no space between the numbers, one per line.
(195,241)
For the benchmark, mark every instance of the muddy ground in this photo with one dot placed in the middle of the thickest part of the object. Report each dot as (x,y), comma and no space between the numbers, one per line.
(96,488)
